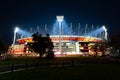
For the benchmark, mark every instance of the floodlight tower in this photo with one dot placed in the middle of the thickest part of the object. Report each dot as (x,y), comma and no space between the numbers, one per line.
(15,31)
(105,32)
(60,19)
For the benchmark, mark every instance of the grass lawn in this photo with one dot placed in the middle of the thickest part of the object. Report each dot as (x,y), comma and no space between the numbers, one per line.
(24,60)
(94,72)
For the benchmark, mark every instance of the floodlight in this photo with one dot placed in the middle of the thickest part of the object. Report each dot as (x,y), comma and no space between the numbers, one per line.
(59,18)
(104,28)
(16,29)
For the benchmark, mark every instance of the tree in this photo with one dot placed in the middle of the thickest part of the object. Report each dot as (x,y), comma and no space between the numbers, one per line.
(3,47)
(49,46)
(43,45)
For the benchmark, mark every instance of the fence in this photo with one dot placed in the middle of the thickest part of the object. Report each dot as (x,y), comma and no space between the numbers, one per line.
(55,63)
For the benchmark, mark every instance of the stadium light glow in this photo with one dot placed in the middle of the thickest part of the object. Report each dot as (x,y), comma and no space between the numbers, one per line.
(96,32)
(60,18)
(24,33)
(16,29)
(104,28)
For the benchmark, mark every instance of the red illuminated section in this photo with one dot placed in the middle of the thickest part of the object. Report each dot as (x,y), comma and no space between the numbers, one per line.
(24,40)
(80,39)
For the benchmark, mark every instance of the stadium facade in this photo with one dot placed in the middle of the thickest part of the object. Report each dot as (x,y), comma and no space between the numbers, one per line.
(77,40)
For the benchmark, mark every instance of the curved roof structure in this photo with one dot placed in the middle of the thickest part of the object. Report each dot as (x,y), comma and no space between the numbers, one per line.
(64,39)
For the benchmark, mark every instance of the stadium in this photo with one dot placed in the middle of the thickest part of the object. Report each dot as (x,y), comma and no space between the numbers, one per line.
(66,39)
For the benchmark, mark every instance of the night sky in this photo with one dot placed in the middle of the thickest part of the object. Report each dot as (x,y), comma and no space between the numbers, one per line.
(30,13)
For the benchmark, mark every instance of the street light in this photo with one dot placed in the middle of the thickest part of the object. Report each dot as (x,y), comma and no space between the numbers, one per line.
(60,19)
(15,31)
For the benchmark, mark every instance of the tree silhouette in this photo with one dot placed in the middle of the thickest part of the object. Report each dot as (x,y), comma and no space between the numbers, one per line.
(42,45)
(49,47)
(3,48)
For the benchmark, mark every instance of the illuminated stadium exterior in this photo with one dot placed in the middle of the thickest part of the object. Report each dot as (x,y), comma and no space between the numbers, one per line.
(70,44)
(64,43)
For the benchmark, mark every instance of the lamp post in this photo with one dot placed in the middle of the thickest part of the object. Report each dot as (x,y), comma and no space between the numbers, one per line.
(15,31)
(60,19)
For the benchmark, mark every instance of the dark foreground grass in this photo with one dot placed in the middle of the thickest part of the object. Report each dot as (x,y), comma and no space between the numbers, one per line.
(83,72)
(23,60)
